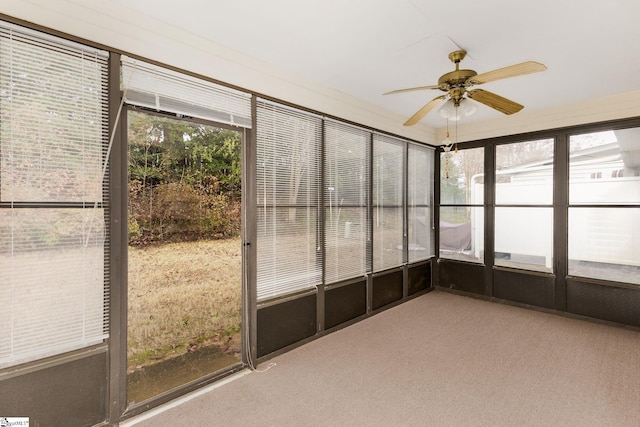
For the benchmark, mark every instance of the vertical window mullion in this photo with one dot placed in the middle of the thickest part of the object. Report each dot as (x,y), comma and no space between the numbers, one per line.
(405,209)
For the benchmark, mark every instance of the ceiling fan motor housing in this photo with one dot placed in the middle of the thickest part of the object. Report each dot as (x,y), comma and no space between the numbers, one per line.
(456,78)
(456,81)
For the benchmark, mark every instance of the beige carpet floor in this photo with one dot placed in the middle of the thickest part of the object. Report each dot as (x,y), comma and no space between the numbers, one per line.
(438,360)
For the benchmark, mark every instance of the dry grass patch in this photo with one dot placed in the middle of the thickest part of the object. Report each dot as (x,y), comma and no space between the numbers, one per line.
(182,296)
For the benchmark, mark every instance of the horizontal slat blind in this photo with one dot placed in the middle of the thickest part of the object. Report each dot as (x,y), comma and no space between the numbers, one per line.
(159,88)
(53,210)
(388,217)
(288,185)
(420,194)
(52,101)
(346,171)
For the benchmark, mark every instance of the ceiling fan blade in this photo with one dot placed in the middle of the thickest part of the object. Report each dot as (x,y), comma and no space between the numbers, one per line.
(510,71)
(494,101)
(424,110)
(411,89)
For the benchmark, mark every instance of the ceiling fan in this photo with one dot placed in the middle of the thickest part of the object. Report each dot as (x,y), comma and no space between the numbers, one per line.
(457,83)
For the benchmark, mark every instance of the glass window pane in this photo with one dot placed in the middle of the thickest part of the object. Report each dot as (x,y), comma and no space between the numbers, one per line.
(604,243)
(462,184)
(53,136)
(387,172)
(387,238)
(288,197)
(347,188)
(287,251)
(420,233)
(604,167)
(524,172)
(345,243)
(462,233)
(51,281)
(524,238)
(420,175)
(387,202)
(462,177)
(54,284)
(420,193)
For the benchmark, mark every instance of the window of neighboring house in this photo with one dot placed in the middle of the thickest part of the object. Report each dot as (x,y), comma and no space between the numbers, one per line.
(462,204)
(604,205)
(53,196)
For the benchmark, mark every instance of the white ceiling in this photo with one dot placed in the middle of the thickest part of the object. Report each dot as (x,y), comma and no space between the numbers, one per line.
(367,47)
(363,48)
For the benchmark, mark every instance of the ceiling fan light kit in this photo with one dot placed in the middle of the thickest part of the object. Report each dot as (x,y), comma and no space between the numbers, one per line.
(457,84)
(454,112)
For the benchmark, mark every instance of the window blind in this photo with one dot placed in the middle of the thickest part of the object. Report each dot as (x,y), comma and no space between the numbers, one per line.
(419,196)
(346,171)
(159,88)
(53,195)
(288,188)
(388,212)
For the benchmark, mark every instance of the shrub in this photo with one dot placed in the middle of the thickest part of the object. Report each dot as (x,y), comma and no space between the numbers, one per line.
(181,212)
(134,229)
